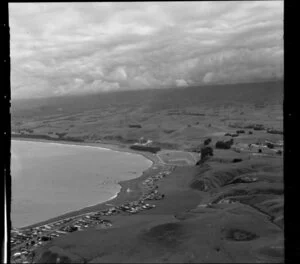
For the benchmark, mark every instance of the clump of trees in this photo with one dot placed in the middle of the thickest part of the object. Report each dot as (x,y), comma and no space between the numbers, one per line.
(207,141)
(61,135)
(258,127)
(236,160)
(135,126)
(206,152)
(274,131)
(145,148)
(224,144)
(71,229)
(28,130)
(45,238)
(231,135)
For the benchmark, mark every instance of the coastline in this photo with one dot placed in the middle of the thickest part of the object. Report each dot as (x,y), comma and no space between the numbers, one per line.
(103,145)
(120,197)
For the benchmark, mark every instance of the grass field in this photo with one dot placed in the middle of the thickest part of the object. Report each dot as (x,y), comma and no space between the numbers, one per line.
(178,158)
(173,119)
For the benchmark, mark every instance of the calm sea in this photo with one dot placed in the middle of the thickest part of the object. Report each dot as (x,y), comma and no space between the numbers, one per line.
(49,179)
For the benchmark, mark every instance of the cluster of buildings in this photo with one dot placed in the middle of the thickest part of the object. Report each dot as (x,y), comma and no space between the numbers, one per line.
(145,145)
(226,201)
(222,201)
(267,147)
(88,221)
(135,206)
(25,241)
(144,142)
(245,179)
(151,192)
(274,131)
(249,126)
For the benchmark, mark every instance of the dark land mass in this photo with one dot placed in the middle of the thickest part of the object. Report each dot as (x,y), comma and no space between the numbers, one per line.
(227,209)
(172,118)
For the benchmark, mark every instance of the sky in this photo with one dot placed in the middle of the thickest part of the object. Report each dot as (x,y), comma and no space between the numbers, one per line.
(77,48)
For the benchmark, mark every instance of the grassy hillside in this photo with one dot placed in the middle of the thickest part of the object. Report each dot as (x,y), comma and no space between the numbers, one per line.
(192,225)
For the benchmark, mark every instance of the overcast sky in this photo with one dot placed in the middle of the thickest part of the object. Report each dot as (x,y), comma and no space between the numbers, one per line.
(67,48)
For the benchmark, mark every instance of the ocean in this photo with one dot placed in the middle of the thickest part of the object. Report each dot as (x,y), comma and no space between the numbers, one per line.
(50,179)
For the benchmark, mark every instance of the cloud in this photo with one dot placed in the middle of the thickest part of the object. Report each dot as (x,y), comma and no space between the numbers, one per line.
(71,48)
(208,77)
(119,74)
(181,83)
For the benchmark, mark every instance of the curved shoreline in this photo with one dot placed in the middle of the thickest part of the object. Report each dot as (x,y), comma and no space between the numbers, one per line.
(119,198)
(107,146)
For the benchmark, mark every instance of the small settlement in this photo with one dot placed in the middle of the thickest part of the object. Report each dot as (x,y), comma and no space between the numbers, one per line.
(25,241)
(260,148)
(266,148)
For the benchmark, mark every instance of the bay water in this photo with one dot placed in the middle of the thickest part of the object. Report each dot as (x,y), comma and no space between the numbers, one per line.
(50,179)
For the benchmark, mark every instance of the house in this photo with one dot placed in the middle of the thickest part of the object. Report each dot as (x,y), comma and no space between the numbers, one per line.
(142,140)
(61,232)
(148,142)
(70,228)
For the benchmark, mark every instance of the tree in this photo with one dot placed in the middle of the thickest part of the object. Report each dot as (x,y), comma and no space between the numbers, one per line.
(224,144)
(207,141)
(206,152)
